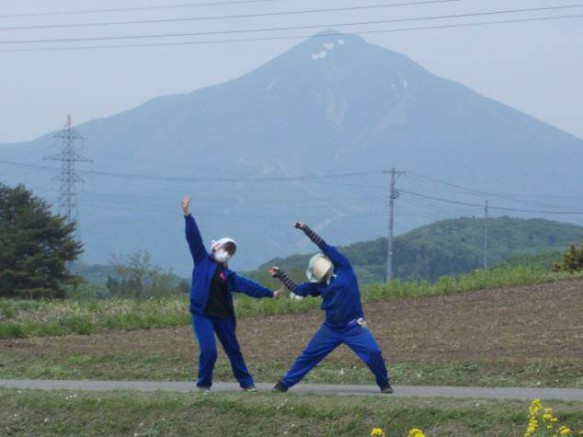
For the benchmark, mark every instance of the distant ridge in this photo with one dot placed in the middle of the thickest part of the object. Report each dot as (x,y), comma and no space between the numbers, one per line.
(450,247)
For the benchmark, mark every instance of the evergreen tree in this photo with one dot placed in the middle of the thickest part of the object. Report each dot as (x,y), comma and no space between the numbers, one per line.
(572,260)
(35,246)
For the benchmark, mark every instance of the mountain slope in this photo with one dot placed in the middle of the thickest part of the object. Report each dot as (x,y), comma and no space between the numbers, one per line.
(333,104)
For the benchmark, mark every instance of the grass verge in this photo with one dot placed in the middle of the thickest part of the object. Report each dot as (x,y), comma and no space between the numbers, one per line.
(151,414)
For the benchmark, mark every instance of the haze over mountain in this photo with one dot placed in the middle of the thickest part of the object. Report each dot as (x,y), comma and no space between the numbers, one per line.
(248,150)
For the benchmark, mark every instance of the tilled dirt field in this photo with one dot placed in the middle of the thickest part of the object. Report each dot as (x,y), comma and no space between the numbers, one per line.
(518,334)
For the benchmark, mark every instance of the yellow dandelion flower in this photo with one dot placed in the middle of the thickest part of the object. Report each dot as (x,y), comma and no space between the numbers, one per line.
(563,430)
(377,432)
(416,432)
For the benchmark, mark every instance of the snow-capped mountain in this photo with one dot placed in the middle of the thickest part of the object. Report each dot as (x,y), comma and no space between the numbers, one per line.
(247,151)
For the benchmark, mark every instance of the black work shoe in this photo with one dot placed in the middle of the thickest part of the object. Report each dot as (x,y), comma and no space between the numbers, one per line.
(387,389)
(279,387)
(249,388)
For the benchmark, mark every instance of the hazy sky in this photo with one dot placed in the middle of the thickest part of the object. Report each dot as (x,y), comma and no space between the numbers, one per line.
(535,67)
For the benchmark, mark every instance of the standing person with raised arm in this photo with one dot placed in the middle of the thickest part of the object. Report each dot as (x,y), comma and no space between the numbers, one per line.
(211,303)
(331,276)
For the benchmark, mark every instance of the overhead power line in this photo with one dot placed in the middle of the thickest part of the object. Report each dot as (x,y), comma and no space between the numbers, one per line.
(449,184)
(234,199)
(136,176)
(226,17)
(272,29)
(474,192)
(500,208)
(292,37)
(135,9)
(298,178)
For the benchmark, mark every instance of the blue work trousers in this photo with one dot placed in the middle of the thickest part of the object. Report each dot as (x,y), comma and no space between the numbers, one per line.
(326,339)
(205,328)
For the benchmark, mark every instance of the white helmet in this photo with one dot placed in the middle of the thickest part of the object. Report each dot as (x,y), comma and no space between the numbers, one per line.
(215,245)
(318,267)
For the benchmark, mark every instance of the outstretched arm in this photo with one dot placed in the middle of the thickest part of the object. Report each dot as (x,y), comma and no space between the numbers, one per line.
(253,289)
(193,237)
(338,259)
(306,289)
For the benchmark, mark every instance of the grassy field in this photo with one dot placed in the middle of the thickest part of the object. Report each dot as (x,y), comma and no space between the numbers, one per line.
(521,335)
(258,414)
(510,336)
(25,319)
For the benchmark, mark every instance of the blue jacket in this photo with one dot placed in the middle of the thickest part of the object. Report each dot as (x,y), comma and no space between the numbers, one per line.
(340,298)
(204,270)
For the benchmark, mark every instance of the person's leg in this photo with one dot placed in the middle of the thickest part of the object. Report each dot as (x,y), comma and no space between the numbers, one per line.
(225,330)
(363,344)
(322,343)
(204,332)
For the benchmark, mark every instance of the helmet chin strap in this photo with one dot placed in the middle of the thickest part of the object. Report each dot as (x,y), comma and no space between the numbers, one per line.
(328,277)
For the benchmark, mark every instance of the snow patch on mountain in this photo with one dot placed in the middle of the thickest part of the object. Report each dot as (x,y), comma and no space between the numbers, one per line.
(327,46)
(320,55)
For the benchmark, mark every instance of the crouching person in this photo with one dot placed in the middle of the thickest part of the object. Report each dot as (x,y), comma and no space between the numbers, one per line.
(332,278)
(211,303)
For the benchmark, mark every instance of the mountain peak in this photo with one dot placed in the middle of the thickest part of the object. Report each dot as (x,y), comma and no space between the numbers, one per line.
(324,42)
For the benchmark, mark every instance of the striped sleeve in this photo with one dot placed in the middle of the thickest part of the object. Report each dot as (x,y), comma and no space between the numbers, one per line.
(286,280)
(316,239)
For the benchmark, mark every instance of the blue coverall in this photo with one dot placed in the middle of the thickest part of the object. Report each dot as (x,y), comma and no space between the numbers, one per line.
(206,326)
(341,303)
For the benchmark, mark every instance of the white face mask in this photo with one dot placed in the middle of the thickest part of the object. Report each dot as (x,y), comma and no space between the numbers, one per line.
(222,256)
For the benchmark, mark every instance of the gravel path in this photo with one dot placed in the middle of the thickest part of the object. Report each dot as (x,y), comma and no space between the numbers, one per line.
(563,394)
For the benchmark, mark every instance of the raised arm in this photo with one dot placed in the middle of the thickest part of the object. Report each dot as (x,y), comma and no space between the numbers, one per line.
(193,237)
(306,289)
(316,239)
(338,259)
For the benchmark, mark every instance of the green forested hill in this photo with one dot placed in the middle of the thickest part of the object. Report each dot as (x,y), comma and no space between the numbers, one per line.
(453,246)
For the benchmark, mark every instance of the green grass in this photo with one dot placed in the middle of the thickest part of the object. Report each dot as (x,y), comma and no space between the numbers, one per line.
(150,414)
(61,317)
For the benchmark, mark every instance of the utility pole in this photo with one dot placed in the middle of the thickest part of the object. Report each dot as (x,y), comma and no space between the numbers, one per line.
(393,194)
(68,156)
(486,236)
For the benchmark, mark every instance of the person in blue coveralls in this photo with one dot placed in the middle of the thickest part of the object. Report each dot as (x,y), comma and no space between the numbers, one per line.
(211,303)
(331,277)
